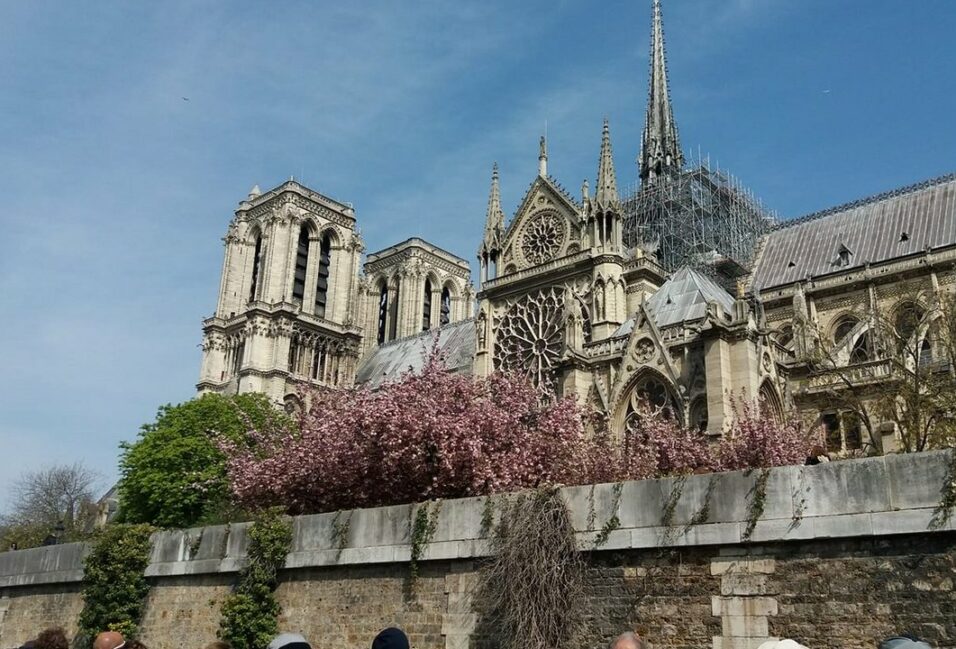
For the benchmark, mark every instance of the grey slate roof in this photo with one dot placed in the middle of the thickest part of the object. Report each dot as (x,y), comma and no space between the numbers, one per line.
(683,298)
(389,361)
(871,231)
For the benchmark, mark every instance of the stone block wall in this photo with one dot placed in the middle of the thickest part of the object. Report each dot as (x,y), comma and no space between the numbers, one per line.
(842,556)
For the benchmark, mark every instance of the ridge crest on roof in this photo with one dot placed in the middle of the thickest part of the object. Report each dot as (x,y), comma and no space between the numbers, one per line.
(868,200)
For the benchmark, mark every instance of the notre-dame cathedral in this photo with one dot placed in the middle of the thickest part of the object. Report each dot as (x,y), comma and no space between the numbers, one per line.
(687,293)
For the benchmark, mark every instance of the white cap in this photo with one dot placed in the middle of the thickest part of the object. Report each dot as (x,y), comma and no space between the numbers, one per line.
(781,644)
(285,639)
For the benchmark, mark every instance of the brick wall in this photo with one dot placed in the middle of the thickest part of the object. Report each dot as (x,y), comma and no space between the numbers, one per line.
(851,562)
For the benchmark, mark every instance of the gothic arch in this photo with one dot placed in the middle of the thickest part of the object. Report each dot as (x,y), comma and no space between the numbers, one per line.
(769,401)
(651,386)
(257,242)
(332,233)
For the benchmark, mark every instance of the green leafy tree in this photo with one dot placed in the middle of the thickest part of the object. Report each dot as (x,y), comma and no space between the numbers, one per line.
(173,475)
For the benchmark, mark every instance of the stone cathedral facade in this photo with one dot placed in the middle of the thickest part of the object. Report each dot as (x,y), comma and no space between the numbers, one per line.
(686,294)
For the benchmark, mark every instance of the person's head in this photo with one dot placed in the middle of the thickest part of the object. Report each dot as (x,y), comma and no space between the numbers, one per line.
(53,638)
(628,640)
(109,640)
(289,641)
(134,644)
(781,644)
(29,644)
(904,641)
(218,644)
(390,638)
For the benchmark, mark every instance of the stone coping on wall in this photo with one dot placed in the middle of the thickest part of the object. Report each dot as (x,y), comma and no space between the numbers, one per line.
(890,495)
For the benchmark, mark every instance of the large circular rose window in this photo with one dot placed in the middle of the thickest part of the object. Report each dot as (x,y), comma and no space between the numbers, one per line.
(529,337)
(542,237)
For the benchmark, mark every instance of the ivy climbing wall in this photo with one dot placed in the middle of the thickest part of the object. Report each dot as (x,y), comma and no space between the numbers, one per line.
(839,556)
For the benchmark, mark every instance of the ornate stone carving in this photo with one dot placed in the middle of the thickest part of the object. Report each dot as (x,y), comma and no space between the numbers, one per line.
(644,350)
(542,238)
(530,335)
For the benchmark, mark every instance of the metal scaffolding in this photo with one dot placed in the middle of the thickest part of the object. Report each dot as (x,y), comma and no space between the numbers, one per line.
(702,218)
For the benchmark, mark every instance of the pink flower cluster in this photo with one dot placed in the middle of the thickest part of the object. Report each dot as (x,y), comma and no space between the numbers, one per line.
(439,435)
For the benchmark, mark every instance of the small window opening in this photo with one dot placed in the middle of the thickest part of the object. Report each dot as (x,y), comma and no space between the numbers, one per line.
(382,313)
(445,313)
(301,264)
(904,237)
(256,262)
(427,306)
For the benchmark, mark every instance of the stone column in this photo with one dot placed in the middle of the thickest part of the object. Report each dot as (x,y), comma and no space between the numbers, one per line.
(718,374)
(744,605)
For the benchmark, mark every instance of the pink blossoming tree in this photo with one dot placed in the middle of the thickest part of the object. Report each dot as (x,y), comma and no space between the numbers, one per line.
(439,435)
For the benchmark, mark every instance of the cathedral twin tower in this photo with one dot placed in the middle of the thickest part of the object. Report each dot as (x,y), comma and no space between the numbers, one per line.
(294,309)
(618,301)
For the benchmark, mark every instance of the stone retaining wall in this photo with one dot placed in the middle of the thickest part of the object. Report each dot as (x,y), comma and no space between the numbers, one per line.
(841,555)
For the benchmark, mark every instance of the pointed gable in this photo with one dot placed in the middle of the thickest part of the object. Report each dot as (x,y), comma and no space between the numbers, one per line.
(545,226)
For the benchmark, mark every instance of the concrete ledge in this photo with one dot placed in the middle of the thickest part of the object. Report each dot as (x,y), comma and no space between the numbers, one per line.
(879,496)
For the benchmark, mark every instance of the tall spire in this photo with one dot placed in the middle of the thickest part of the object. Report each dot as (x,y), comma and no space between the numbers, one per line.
(605,192)
(660,148)
(543,157)
(495,218)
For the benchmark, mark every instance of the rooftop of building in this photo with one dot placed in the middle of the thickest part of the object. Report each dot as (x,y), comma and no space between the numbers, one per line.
(683,298)
(257,197)
(388,362)
(899,223)
(420,244)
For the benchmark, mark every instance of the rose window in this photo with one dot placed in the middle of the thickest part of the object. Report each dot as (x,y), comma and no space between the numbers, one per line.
(542,238)
(649,395)
(530,335)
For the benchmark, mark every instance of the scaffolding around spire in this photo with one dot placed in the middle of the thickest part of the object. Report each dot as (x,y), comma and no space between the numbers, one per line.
(701,217)
(660,146)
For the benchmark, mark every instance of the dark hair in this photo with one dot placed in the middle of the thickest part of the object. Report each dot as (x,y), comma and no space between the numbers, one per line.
(218,644)
(134,644)
(52,638)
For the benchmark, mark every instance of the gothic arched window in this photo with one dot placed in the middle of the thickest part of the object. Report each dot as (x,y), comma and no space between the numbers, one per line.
(256,263)
(650,394)
(322,282)
(861,349)
(382,312)
(908,318)
(445,314)
(301,265)
(393,312)
(843,329)
(427,306)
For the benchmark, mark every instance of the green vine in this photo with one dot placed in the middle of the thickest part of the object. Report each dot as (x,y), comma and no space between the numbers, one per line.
(670,505)
(423,525)
(703,514)
(614,522)
(250,614)
(592,515)
(947,496)
(758,499)
(114,580)
(194,544)
(340,532)
(487,517)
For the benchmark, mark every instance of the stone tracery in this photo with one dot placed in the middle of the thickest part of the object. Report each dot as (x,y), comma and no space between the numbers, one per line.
(530,336)
(542,238)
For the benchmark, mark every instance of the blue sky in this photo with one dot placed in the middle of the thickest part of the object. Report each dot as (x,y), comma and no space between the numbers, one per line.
(117,190)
